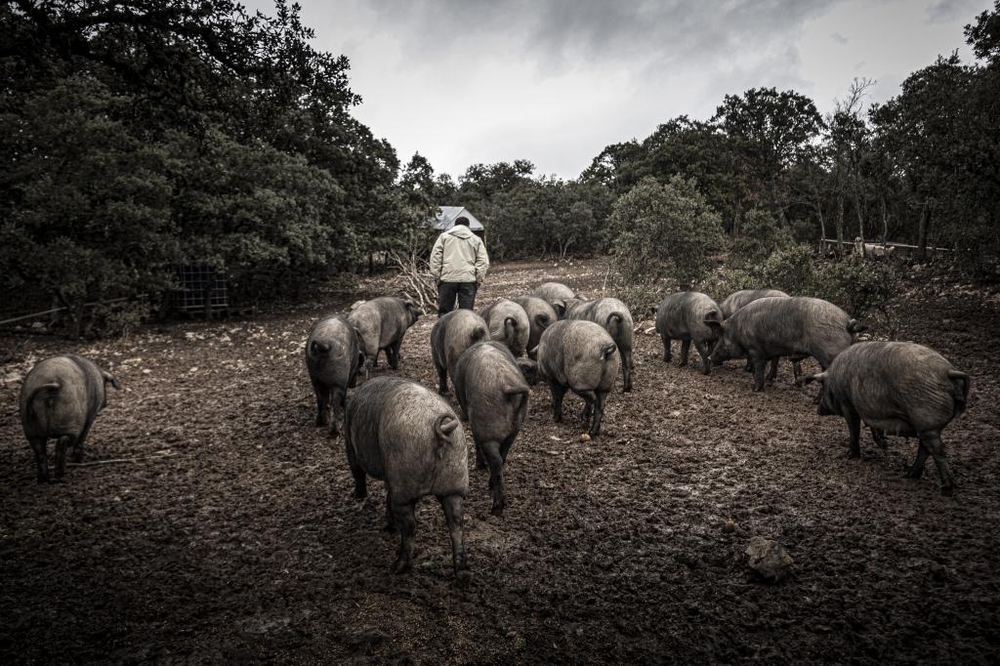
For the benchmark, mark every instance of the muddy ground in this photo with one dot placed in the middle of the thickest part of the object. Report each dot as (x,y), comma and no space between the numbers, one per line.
(212,522)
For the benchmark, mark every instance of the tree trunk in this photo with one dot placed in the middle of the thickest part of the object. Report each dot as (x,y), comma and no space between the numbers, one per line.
(885,218)
(925,215)
(840,223)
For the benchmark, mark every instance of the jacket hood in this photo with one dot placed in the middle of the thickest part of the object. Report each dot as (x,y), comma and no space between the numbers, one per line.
(461,231)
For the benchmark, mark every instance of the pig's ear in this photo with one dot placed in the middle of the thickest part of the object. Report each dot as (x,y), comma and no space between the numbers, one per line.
(108,379)
(808,379)
(714,324)
(559,307)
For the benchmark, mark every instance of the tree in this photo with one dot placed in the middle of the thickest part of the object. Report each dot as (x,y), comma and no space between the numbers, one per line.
(86,202)
(663,232)
(770,129)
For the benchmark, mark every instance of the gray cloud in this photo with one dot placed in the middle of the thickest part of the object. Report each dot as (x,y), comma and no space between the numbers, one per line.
(563,34)
(944,11)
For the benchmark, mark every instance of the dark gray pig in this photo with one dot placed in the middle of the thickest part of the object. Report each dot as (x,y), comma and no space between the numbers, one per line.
(798,326)
(382,322)
(580,356)
(896,388)
(540,316)
(555,294)
(60,398)
(616,319)
(684,316)
(452,334)
(332,359)
(738,299)
(494,397)
(508,323)
(399,431)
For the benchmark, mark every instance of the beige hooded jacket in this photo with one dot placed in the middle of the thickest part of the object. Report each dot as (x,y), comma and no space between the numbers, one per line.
(459,256)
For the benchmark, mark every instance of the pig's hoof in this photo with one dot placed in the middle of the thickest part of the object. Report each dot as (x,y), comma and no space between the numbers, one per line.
(948,491)
(402,566)
(914,473)
(497,510)
(463,577)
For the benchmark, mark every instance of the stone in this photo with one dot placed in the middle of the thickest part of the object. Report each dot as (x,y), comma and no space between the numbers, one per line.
(768,559)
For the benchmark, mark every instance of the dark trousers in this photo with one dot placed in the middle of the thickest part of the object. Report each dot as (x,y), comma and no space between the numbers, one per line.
(447,291)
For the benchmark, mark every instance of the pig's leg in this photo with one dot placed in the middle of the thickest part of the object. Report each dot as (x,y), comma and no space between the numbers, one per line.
(758,373)
(588,405)
(338,400)
(666,347)
(627,372)
(505,447)
(595,429)
(442,380)
(685,348)
(80,441)
(772,374)
(879,438)
(38,446)
(453,514)
(558,392)
(322,403)
(932,443)
(703,351)
(63,443)
(491,451)
(360,484)
(854,428)
(480,457)
(393,354)
(406,521)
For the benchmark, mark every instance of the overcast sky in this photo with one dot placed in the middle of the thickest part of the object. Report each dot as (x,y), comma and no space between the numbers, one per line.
(556,81)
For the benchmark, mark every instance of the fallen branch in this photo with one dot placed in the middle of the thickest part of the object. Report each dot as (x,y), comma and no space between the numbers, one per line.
(417,284)
(110,461)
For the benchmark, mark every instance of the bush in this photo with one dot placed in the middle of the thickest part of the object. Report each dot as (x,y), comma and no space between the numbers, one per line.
(664,233)
(789,269)
(762,236)
(858,285)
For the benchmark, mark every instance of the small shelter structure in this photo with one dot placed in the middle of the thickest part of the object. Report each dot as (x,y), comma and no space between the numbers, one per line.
(448,214)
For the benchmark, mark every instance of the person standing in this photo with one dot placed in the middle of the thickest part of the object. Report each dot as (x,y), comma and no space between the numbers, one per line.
(459,263)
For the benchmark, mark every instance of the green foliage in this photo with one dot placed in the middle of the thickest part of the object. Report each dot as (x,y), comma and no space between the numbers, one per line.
(547,216)
(762,235)
(143,135)
(87,210)
(664,233)
(858,285)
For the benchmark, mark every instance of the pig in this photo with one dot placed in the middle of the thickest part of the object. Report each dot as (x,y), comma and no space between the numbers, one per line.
(493,395)
(382,322)
(798,326)
(540,315)
(581,356)
(899,388)
(398,431)
(555,294)
(685,316)
(616,319)
(508,323)
(333,358)
(60,398)
(738,299)
(451,335)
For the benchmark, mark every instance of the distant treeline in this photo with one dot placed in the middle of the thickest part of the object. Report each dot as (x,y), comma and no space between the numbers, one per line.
(139,137)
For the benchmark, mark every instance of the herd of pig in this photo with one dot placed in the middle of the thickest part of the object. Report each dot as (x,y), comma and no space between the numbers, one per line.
(399,431)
